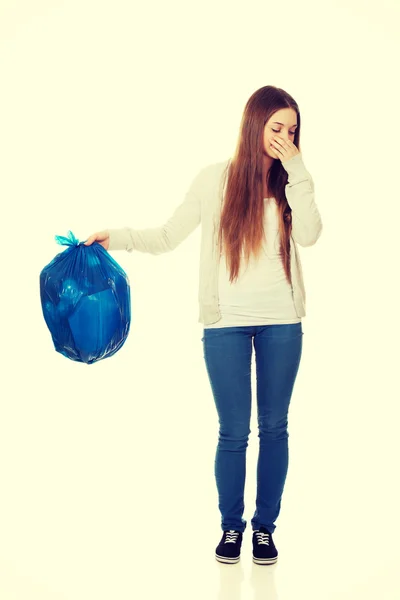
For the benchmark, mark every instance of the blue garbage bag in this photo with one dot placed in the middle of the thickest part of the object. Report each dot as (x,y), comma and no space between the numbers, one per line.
(85,297)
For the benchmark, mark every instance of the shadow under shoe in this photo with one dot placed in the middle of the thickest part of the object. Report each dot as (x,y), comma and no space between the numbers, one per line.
(264,551)
(228,550)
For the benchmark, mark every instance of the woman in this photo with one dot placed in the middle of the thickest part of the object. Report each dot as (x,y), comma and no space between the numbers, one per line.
(261,203)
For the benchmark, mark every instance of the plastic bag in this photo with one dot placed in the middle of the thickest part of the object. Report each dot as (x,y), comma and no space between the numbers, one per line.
(85,297)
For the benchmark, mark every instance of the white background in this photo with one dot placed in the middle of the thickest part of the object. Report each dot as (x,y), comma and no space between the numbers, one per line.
(107,112)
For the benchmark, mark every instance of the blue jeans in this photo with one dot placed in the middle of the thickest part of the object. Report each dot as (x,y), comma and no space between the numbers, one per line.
(228,355)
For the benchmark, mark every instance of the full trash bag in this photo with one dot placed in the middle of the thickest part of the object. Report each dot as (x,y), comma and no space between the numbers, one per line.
(85,297)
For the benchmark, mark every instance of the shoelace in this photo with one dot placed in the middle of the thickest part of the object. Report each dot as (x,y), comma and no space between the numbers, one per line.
(231,536)
(262,538)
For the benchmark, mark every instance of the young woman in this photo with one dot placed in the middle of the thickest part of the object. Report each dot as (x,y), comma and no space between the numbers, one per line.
(254,208)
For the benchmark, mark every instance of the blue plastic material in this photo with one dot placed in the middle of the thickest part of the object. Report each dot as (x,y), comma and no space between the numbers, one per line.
(85,297)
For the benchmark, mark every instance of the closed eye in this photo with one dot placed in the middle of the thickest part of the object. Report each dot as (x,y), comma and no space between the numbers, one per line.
(278,131)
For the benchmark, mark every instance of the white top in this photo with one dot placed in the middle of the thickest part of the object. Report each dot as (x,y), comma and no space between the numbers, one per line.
(261,295)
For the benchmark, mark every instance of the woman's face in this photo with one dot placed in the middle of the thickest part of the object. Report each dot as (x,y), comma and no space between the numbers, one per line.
(283,124)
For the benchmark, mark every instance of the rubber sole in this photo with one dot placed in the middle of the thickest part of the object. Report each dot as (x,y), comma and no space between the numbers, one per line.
(264,561)
(227,559)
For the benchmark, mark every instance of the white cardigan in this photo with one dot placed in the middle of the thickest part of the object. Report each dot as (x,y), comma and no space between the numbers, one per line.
(202,204)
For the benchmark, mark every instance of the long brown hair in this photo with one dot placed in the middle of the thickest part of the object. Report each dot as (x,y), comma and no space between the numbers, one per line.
(242,216)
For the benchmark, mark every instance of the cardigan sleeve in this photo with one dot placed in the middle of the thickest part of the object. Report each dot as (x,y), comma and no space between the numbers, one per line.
(167,237)
(306,218)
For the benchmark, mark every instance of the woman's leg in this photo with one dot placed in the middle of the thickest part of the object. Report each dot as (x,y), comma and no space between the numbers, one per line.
(228,354)
(278,351)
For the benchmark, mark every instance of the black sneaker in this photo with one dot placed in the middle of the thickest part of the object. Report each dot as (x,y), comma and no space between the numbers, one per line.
(264,551)
(228,550)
